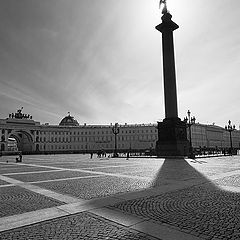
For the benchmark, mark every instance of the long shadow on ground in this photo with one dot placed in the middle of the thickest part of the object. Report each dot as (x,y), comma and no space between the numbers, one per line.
(179,197)
(203,209)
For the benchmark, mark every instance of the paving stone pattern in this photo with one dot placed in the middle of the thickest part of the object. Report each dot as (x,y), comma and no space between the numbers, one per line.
(79,226)
(71,165)
(143,173)
(7,165)
(89,165)
(203,211)
(130,170)
(44,176)
(3,182)
(216,165)
(233,180)
(211,171)
(19,169)
(17,200)
(89,188)
(116,169)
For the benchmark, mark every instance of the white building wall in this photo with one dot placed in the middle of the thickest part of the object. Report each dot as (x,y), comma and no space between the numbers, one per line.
(137,137)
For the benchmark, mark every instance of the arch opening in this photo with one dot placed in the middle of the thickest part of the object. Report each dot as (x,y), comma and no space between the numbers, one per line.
(21,140)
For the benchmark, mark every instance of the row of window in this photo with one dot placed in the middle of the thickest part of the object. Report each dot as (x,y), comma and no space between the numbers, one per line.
(97,132)
(92,139)
(87,147)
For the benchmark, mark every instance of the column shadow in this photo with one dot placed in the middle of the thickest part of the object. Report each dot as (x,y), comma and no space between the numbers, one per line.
(177,170)
(188,201)
(180,197)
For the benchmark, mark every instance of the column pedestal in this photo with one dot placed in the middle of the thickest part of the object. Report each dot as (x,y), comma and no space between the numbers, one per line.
(172,138)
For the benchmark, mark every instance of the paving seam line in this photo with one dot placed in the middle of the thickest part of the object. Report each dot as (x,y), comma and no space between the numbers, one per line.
(134,226)
(163,232)
(7,185)
(47,193)
(34,217)
(29,218)
(24,217)
(50,180)
(92,172)
(118,217)
(19,173)
(65,179)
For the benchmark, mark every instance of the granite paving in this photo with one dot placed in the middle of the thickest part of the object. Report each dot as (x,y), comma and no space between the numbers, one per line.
(233,180)
(17,200)
(3,182)
(71,165)
(22,168)
(89,188)
(126,169)
(213,170)
(78,226)
(199,210)
(45,176)
(75,197)
(142,173)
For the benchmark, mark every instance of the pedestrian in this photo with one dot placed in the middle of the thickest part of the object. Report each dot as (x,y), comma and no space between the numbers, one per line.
(20,157)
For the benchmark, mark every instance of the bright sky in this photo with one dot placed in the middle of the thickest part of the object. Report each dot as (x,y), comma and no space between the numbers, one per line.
(101,60)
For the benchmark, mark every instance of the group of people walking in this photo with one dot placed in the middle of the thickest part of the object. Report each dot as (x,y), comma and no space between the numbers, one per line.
(103,154)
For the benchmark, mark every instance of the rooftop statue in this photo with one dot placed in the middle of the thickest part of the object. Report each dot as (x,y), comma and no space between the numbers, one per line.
(20,115)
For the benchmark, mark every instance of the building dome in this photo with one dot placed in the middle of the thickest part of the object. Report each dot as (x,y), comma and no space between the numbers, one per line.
(69,121)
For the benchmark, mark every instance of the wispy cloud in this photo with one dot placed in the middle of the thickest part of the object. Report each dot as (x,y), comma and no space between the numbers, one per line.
(103,61)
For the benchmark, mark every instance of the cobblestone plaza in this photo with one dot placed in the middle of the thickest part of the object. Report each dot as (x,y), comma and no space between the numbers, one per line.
(76,197)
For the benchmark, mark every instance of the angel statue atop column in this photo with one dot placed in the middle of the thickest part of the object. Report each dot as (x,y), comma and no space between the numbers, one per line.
(164,8)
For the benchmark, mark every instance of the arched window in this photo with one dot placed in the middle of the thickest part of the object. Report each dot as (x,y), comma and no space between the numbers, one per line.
(37,147)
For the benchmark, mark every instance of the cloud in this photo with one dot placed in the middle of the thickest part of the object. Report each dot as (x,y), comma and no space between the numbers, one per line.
(103,61)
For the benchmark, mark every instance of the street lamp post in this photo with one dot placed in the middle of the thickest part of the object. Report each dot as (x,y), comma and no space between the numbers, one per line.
(115,131)
(189,122)
(230,128)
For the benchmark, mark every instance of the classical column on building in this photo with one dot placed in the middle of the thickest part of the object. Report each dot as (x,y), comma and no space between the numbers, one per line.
(3,141)
(172,133)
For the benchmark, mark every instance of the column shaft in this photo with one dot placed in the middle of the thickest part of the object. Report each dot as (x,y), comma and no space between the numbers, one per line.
(170,92)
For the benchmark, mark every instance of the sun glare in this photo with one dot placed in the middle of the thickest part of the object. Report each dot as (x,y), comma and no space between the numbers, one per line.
(175,7)
(182,11)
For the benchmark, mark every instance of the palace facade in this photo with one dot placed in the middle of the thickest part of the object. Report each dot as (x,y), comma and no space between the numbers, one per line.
(69,136)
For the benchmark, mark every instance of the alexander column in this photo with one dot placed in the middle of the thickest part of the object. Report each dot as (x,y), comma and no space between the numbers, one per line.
(172,132)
